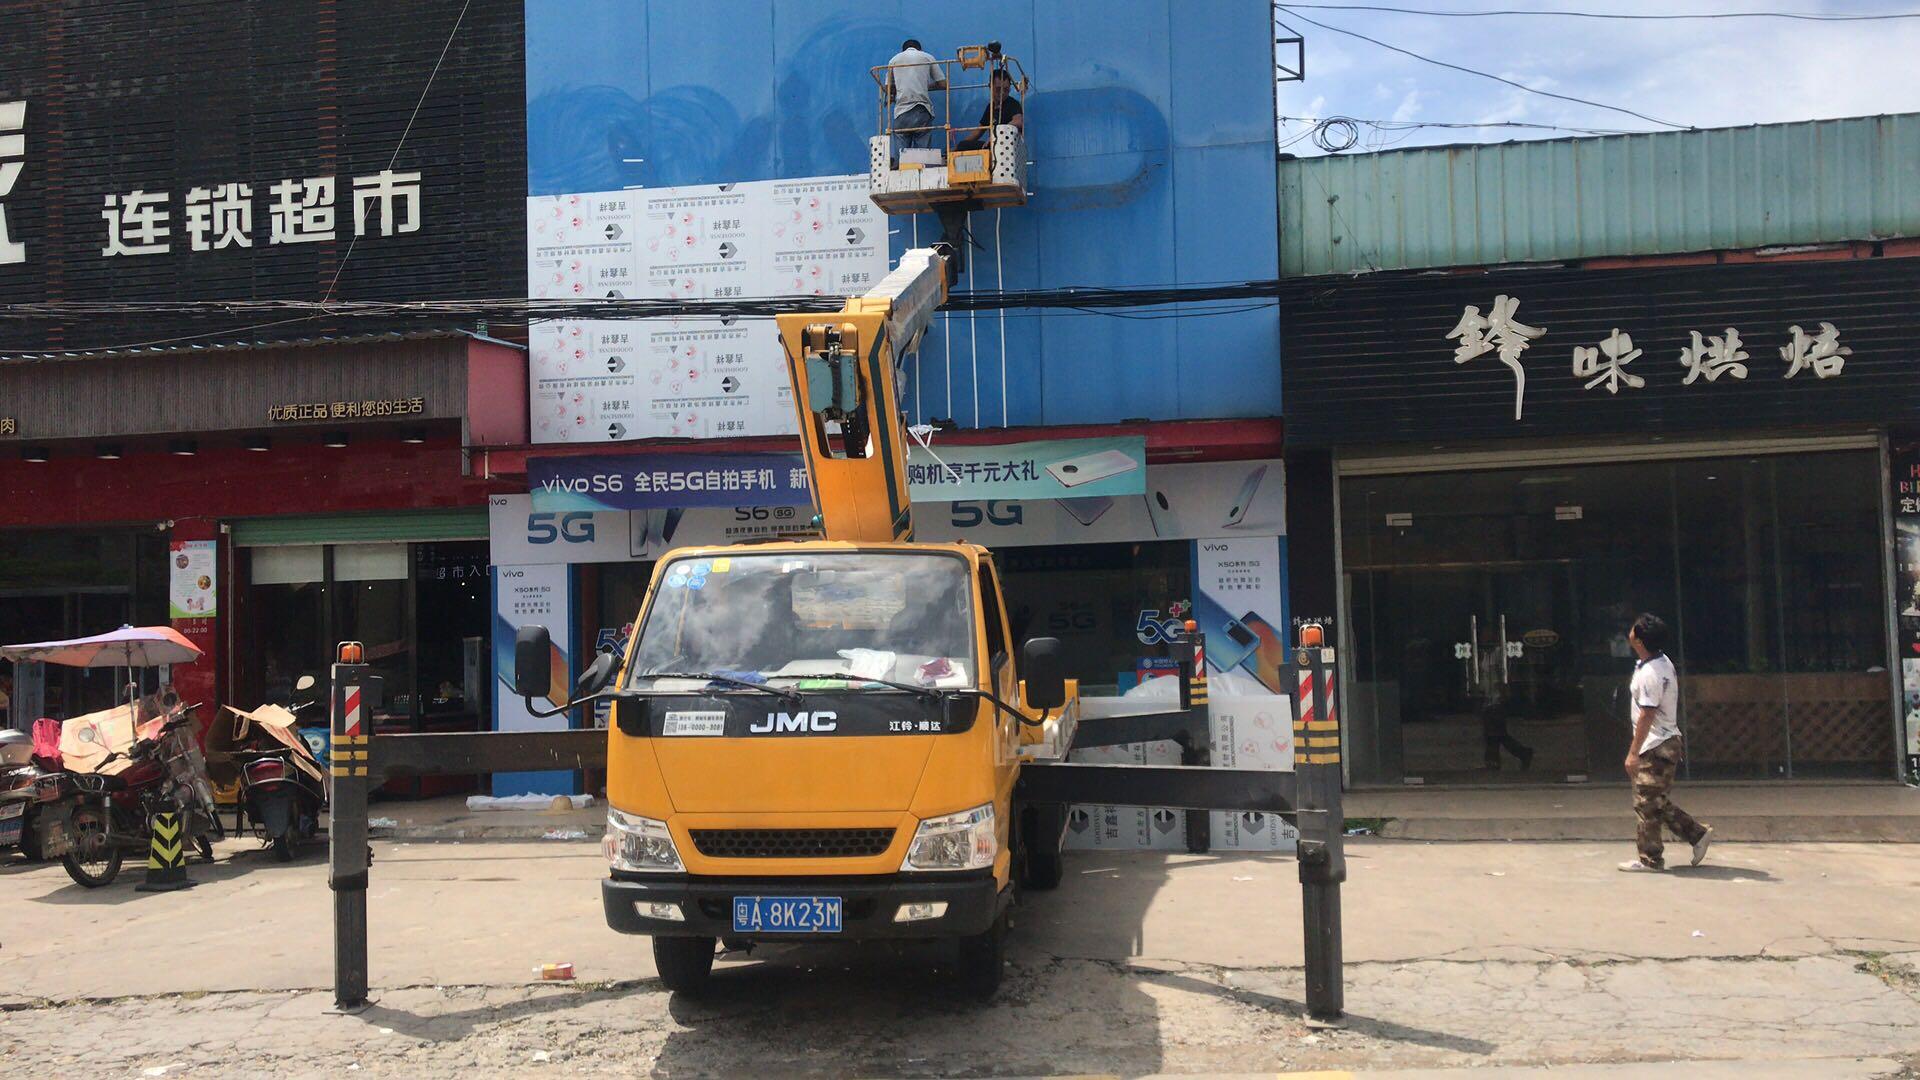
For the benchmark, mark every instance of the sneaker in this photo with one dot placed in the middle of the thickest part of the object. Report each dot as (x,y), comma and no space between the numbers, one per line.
(1700,846)
(1635,866)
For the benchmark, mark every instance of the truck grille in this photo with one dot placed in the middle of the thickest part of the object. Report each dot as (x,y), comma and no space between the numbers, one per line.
(791,843)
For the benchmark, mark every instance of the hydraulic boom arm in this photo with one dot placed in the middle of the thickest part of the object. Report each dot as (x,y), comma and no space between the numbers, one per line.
(843,371)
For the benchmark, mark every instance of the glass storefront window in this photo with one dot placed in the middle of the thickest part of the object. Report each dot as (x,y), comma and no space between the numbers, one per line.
(1488,613)
(1090,597)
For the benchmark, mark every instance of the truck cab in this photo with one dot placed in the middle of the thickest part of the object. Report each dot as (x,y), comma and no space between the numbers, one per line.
(819,740)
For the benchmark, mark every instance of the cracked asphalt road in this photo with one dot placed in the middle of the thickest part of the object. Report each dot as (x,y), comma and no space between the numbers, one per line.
(1459,954)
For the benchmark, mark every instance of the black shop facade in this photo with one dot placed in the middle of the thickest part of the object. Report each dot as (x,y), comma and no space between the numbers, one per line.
(1491,472)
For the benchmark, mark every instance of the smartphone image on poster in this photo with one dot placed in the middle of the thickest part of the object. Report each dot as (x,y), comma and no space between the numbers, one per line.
(1087,468)
(1232,645)
(1160,512)
(1244,501)
(669,523)
(1269,658)
(1088,510)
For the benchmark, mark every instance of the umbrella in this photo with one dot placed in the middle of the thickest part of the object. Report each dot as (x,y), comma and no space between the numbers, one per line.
(129,646)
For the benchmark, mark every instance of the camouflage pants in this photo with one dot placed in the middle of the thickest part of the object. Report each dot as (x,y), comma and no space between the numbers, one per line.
(1651,783)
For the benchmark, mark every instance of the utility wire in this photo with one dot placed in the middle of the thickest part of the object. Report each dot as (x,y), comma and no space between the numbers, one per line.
(1409,125)
(1673,17)
(408,130)
(1482,74)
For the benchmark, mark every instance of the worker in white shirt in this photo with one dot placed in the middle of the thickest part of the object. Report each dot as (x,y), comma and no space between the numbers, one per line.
(912,76)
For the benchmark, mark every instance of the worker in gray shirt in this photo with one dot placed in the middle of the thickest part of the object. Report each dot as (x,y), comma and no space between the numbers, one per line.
(912,76)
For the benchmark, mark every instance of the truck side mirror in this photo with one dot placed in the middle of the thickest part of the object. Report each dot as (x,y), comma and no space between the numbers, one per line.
(303,683)
(598,674)
(532,662)
(1042,670)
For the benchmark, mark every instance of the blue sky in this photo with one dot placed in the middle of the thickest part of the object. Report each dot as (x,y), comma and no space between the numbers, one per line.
(1705,73)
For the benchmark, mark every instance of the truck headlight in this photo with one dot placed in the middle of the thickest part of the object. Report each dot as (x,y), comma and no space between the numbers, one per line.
(963,841)
(639,843)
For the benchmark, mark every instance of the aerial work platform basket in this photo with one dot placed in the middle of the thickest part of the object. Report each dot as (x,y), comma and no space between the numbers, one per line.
(982,165)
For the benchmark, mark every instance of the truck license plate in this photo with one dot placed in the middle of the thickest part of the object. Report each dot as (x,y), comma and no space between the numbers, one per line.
(786,914)
(12,810)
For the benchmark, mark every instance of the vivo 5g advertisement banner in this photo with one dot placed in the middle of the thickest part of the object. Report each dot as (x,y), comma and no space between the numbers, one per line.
(1080,470)
(1179,502)
(645,481)
(1105,468)
(531,596)
(1239,603)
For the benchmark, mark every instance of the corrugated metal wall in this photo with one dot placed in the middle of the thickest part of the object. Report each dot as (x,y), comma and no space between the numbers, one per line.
(1827,180)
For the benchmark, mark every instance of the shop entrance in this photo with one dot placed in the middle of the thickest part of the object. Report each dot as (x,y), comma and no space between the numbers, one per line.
(1487,612)
(1487,693)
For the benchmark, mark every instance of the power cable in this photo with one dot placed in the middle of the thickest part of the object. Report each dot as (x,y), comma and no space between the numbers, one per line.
(1613,15)
(1482,74)
(408,130)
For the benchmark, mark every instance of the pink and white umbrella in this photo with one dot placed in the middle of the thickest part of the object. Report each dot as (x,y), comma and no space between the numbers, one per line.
(129,646)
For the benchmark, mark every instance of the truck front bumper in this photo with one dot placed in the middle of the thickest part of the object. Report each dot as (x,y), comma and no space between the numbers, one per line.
(869,904)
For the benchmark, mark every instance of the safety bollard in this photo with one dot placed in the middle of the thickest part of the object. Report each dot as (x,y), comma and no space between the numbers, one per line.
(355,693)
(1323,863)
(166,853)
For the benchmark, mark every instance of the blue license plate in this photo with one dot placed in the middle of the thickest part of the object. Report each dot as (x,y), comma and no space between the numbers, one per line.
(786,914)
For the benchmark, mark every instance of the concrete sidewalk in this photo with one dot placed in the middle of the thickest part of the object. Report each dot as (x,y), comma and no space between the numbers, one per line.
(1782,812)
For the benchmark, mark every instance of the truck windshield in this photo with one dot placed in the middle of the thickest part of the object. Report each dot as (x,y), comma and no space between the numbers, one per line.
(900,616)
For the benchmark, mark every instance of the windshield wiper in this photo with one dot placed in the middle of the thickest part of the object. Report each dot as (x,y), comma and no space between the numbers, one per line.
(933,693)
(791,697)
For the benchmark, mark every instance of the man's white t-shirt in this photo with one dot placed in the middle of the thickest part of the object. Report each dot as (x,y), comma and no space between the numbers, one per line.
(1656,686)
(911,83)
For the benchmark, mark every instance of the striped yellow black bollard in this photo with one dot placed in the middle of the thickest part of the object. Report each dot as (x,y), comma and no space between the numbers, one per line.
(166,854)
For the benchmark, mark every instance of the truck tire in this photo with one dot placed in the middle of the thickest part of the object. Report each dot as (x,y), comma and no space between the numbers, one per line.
(981,959)
(1043,867)
(684,963)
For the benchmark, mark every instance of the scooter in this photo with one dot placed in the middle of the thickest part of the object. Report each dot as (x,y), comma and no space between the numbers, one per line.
(282,783)
(94,818)
(19,808)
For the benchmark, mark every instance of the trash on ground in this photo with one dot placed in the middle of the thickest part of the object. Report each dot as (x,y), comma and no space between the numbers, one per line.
(382,823)
(564,834)
(525,802)
(1496,873)
(542,1055)
(161,1070)
(1359,830)
(1100,870)
(1243,879)
(1699,933)
(552,972)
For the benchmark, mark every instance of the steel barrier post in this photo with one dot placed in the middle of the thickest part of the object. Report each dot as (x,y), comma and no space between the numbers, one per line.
(355,693)
(1323,864)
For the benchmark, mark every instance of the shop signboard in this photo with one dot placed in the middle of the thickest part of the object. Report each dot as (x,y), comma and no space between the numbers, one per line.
(193,583)
(609,380)
(1552,352)
(642,482)
(1054,469)
(531,596)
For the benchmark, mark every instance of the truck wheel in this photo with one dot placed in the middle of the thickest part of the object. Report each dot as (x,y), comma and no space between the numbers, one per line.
(684,963)
(981,959)
(1043,866)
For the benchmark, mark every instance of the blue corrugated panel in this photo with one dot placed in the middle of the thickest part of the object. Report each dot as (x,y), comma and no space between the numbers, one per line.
(1150,132)
(1749,187)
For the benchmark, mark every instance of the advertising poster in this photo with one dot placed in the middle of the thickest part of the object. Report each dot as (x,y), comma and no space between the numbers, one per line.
(1239,588)
(531,596)
(1905,471)
(612,380)
(193,589)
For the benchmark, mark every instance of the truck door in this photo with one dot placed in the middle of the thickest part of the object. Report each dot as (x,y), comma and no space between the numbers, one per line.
(999,658)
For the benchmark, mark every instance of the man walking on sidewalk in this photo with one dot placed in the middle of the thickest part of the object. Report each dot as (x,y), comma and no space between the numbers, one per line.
(1653,757)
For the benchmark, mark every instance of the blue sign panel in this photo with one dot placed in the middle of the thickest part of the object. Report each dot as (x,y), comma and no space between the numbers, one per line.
(1149,126)
(642,482)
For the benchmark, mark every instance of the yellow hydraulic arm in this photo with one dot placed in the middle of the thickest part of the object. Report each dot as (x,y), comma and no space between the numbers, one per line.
(843,371)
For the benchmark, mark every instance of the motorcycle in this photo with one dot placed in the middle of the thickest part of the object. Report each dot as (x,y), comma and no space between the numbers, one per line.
(283,786)
(97,809)
(19,810)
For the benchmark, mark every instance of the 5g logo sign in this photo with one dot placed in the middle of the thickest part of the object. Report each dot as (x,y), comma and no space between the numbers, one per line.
(574,528)
(967,515)
(1151,629)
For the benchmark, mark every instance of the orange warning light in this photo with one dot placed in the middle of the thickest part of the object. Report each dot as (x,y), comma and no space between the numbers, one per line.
(1312,636)
(352,652)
